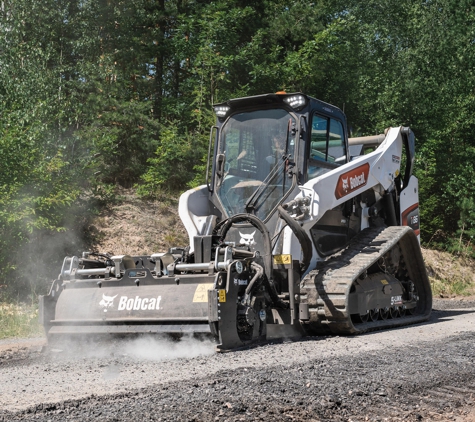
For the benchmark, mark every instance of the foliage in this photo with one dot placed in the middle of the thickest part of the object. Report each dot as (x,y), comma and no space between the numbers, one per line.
(172,163)
(449,288)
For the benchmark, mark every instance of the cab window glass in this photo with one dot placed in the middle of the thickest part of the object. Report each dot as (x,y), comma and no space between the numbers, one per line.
(327,146)
(253,145)
(318,146)
(336,145)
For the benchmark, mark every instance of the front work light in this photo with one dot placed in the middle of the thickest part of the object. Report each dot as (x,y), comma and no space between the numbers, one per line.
(296,101)
(221,110)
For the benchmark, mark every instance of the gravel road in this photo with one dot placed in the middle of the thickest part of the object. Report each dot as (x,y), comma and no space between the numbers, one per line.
(422,372)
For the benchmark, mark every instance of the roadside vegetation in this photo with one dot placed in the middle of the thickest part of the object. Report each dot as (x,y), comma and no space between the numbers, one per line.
(19,320)
(98,97)
(450,275)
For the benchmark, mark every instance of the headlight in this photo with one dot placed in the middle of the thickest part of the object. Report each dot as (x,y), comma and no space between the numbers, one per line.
(296,101)
(221,110)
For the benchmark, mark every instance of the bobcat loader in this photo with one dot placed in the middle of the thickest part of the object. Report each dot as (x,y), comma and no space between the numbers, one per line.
(298,231)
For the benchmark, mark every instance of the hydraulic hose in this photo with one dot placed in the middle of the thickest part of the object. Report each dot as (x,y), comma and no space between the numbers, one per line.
(259,273)
(304,240)
(222,229)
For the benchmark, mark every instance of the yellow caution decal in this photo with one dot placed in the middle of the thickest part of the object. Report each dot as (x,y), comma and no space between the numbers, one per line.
(222,295)
(384,282)
(201,292)
(282,259)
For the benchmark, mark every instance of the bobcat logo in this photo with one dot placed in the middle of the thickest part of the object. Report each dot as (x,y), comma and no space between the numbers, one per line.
(107,301)
(247,239)
(345,184)
(352,180)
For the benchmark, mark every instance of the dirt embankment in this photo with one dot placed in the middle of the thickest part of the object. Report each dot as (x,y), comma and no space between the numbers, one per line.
(451,276)
(134,226)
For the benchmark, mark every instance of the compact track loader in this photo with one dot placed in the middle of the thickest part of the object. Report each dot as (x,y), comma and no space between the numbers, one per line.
(298,231)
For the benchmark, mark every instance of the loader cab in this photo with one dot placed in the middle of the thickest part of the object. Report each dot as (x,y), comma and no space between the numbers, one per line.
(254,166)
(267,145)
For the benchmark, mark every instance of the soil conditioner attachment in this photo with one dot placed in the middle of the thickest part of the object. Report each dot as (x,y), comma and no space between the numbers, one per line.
(299,231)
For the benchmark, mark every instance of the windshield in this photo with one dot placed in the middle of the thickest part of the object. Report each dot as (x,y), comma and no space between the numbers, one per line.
(258,148)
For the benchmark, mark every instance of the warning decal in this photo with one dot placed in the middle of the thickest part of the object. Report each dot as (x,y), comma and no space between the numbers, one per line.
(201,292)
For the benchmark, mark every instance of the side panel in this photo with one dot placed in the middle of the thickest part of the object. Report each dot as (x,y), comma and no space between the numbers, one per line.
(194,209)
(377,168)
(409,205)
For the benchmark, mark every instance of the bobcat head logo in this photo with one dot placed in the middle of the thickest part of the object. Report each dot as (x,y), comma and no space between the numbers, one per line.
(247,239)
(345,184)
(107,301)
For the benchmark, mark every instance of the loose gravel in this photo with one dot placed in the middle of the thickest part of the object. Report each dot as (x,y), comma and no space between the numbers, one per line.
(422,372)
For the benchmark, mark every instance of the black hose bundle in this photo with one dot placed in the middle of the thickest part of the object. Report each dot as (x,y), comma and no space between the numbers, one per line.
(305,242)
(222,229)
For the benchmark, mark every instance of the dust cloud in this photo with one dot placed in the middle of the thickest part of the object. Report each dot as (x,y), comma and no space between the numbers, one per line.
(39,261)
(146,348)
(162,349)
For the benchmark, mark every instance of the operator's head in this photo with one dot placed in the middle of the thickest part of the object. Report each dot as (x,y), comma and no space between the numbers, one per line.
(278,143)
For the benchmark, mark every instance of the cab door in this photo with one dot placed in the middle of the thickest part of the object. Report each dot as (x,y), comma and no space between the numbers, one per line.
(327,151)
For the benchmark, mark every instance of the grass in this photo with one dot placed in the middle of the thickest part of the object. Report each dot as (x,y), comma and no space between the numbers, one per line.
(19,320)
(449,275)
(450,288)
(173,239)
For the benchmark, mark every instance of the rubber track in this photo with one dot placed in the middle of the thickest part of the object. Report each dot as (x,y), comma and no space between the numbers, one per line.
(327,290)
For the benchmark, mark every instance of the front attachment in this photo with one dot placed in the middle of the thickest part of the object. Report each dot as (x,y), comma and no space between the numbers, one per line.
(223,289)
(218,291)
(238,307)
(172,305)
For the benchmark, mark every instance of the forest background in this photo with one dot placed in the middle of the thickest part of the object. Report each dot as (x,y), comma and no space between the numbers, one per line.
(96,94)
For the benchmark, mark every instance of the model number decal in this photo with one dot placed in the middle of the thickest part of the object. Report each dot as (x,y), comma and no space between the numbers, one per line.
(396,300)
(410,217)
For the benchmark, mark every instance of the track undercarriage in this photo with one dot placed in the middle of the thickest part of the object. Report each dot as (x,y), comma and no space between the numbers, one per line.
(378,282)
